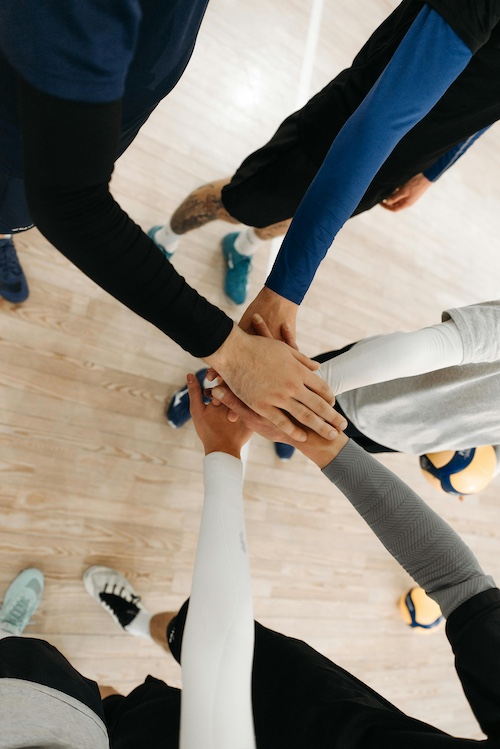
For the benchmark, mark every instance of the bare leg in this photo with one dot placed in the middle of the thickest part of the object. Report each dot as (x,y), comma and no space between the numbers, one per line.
(200,207)
(158,628)
(274,230)
(204,205)
(106,691)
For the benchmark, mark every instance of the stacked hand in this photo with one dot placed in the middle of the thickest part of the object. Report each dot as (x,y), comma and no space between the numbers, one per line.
(273,429)
(216,432)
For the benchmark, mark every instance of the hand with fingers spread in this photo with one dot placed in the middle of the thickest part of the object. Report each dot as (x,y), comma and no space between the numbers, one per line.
(237,410)
(407,194)
(277,382)
(215,431)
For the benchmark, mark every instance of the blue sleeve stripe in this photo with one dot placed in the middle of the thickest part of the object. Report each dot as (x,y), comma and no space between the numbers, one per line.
(452,156)
(429,58)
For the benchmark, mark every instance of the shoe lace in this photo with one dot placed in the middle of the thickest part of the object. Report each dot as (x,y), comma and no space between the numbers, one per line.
(121,593)
(242,266)
(8,257)
(17,613)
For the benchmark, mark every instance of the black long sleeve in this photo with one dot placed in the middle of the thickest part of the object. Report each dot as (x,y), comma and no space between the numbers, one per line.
(69,150)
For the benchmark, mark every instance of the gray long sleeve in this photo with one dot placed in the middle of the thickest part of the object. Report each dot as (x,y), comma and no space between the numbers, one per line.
(422,542)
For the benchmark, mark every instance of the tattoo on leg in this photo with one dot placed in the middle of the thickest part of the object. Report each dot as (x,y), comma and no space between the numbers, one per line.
(273,230)
(200,207)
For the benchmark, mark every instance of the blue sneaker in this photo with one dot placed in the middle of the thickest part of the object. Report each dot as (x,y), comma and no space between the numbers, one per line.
(21,601)
(283,451)
(13,284)
(177,412)
(238,269)
(151,235)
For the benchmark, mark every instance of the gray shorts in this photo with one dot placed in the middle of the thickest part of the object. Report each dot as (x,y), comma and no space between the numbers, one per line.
(39,662)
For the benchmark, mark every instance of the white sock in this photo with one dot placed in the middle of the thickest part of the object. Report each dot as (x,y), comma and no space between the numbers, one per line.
(4,633)
(139,627)
(247,242)
(6,236)
(167,237)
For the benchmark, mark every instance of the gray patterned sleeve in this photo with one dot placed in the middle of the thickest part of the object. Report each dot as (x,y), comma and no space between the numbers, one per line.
(422,542)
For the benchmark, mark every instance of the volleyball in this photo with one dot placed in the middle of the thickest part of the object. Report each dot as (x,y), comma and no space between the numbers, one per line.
(460,471)
(419,611)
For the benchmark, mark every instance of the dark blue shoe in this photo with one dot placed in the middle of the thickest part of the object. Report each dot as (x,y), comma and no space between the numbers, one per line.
(13,284)
(177,412)
(151,235)
(238,269)
(283,451)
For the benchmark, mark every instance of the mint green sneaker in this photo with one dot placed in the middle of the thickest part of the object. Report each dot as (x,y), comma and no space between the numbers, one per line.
(238,269)
(21,600)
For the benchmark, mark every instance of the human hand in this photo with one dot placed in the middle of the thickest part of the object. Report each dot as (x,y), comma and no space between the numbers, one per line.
(213,428)
(319,450)
(277,382)
(262,328)
(407,194)
(275,310)
(238,410)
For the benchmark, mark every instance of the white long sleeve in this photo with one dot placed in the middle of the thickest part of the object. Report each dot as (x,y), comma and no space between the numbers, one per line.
(218,641)
(390,357)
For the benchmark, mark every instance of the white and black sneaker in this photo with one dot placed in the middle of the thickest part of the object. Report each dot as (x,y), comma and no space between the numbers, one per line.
(115,594)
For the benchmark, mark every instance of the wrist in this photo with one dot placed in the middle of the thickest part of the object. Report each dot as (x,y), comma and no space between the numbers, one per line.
(277,300)
(222,357)
(223,448)
(321,451)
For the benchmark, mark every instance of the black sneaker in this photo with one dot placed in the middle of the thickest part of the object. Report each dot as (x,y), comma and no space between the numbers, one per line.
(177,412)
(283,451)
(114,592)
(13,284)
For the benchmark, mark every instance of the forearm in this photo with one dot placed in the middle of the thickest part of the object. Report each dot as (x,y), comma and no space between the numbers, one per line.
(69,152)
(217,646)
(396,355)
(422,542)
(425,64)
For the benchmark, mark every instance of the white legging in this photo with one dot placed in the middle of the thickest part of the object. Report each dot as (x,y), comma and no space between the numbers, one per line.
(217,647)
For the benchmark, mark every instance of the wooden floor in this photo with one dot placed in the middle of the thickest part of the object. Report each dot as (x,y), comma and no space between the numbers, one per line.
(91,473)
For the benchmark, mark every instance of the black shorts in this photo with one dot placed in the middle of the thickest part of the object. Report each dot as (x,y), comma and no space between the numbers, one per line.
(40,663)
(271,182)
(290,683)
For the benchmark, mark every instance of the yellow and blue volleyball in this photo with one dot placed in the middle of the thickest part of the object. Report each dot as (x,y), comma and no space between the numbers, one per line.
(419,611)
(460,471)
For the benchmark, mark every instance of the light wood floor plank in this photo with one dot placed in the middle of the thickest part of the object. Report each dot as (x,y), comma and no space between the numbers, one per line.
(91,473)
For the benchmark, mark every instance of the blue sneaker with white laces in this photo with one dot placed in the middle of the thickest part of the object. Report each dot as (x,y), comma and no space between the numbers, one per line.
(13,284)
(283,451)
(177,412)
(236,280)
(151,235)
(21,601)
